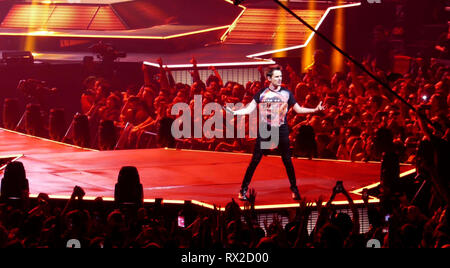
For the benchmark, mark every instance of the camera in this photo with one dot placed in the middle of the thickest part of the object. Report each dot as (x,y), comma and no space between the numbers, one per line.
(106,52)
(33,88)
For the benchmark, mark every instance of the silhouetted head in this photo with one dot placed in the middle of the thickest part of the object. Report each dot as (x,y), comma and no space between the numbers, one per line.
(384,140)
(330,237)
(343,222)
(129,175)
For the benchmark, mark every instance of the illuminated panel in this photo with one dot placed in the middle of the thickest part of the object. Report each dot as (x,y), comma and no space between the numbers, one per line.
(106,19)
(71,17)
(27,16)
(337,59)
(310,36)
(45,33)
(263,26)
(307,54)
(76,17)
(233,25)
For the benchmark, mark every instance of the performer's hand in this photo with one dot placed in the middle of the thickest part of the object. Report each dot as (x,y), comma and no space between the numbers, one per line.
(320,107)
(228,110)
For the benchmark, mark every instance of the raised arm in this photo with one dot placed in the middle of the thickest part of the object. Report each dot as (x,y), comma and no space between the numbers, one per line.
(147,79)
(217,74)
(163,81)
(195,74)
(262,76)
(355,212)
(170,77)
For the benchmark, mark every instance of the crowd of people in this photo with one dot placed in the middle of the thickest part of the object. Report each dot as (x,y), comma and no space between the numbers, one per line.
(129,223)
(363,122)
(357,107)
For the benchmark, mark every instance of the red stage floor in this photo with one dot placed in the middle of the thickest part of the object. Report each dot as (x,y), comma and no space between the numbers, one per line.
(205,177)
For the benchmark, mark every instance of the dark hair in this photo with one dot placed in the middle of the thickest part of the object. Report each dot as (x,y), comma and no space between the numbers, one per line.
(273,69)
(384,140)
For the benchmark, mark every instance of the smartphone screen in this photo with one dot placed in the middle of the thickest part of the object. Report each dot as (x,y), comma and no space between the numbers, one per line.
(181,222)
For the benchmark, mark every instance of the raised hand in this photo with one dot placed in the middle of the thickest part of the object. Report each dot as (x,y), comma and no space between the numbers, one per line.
(320,107)
(305,208)
(319,203)
(365,196)
(78,192)
(193,61)
(159,61)
(289,68)
(252,196)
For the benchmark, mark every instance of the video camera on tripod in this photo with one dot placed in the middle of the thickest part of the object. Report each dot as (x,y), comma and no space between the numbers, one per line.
(106,52)
(34,89)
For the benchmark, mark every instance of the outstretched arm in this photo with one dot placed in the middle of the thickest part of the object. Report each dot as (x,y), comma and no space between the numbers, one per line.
(195,74)
(244,111)
(302,110)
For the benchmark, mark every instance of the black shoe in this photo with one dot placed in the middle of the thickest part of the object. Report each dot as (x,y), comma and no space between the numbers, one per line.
(243,195)
(296,195)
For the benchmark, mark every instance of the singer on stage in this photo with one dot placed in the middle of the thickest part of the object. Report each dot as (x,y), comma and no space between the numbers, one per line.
(277,101)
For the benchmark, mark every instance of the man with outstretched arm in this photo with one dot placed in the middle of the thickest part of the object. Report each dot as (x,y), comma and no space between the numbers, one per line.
(274,103)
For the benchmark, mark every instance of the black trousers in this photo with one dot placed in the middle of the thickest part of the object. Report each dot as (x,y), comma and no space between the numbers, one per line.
(283,148)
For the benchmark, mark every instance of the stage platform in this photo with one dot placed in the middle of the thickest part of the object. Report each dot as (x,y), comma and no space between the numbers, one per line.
(205,178)
(226,35)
